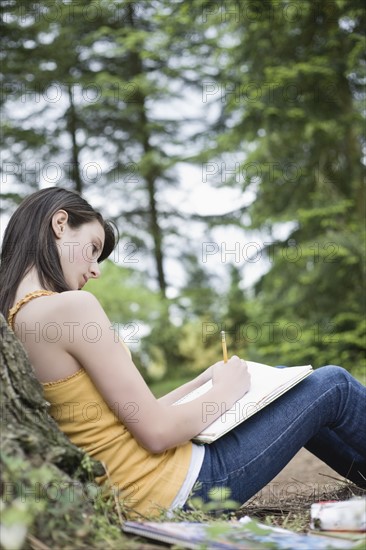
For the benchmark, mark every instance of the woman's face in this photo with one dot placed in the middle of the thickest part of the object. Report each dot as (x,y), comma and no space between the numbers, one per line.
(79,251)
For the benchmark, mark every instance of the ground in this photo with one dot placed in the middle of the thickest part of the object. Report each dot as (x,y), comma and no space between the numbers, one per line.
(304,476)
(306,468)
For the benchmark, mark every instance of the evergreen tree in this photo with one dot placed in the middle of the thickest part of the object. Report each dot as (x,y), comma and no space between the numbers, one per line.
(89,84)
(291,91)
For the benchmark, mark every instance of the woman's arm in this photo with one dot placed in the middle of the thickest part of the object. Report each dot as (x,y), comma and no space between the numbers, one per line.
(156,425)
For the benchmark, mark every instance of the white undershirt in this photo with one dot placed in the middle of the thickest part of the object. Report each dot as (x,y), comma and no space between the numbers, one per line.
(198,454)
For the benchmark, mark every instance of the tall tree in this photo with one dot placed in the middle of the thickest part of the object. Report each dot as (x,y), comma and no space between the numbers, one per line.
(89,85)
(290,86)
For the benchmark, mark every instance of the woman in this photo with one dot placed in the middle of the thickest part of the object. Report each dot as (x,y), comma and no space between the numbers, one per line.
(53,244)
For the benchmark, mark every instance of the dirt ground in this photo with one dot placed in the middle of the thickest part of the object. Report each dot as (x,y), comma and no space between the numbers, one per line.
(306,468)
(304,476)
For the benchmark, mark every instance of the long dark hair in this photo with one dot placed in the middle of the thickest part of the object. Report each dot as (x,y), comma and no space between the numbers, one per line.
(29,240)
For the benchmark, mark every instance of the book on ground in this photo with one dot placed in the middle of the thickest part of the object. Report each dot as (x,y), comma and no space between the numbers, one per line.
(245,534)
(267,384)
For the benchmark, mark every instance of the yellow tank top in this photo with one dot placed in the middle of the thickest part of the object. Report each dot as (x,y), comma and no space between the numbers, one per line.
(145,482)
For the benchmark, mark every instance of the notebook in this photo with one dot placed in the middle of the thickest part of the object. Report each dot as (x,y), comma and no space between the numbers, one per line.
(245,534)
(267,384)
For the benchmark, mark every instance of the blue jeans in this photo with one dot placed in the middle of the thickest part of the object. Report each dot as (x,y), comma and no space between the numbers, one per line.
(325,413)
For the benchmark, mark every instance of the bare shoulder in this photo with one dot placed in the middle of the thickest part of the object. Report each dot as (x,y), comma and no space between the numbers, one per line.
(70,306)
(76,304)
(77,298)
(82,319)
(48,309)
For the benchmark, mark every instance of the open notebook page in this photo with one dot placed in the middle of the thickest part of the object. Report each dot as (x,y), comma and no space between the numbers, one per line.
(267,383)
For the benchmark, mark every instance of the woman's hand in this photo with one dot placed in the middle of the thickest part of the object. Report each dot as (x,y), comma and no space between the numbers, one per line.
(232,378)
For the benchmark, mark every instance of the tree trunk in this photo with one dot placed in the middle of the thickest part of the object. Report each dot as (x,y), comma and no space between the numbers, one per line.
(151,176)
(72,127)
(44,488)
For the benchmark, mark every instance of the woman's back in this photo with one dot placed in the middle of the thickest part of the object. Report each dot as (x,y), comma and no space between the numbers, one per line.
(38,323)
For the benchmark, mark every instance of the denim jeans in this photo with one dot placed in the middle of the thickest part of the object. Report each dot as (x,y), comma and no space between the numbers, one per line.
(325,413)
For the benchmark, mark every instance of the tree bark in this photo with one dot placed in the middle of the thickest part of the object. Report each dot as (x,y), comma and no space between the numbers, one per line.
(151,176)
(72,127)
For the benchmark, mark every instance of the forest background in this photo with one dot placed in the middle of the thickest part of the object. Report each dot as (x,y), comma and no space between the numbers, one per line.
(140,105)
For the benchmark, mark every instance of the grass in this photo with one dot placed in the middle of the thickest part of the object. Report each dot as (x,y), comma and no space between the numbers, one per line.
(102,528)
(290,513)
(294,513)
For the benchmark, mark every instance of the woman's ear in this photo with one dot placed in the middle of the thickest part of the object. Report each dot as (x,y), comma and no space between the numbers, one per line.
(59,222)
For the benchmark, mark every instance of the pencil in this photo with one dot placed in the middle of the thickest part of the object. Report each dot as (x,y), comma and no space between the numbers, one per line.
(224,348)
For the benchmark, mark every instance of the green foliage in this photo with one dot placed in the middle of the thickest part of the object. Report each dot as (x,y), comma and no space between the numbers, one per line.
(219,504)
(312,299)
(39,503)
(293,113)
(164,340)
(177,351)
(125,295)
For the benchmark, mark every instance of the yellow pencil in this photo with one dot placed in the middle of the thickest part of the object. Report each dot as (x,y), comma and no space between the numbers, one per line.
(224,348)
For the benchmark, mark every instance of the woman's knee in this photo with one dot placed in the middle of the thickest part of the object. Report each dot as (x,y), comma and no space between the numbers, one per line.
(332,372)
